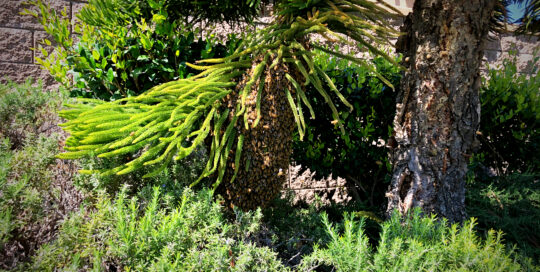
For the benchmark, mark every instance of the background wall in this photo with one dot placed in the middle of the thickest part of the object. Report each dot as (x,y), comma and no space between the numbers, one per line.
(19,33)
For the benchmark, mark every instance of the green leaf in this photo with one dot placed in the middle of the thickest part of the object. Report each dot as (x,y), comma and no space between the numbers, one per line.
(142,58)
(158,18)
(110,75)
(95,54)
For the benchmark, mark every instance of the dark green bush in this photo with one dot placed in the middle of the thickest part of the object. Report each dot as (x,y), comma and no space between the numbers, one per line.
(186,12)
(510,123)
(363,160)
(510,139)
(511,204)
(124,47)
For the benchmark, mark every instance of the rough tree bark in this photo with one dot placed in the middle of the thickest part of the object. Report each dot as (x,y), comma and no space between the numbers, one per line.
(438,110)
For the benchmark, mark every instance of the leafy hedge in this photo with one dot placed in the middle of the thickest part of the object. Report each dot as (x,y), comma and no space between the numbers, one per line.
(510,123)
(122,51)
(363,159)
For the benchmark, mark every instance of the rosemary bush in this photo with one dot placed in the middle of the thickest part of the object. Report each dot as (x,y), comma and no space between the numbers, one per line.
(158,235)
(415,243)
(33,197)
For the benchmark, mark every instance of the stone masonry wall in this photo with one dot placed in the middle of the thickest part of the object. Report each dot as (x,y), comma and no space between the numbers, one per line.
(18,34)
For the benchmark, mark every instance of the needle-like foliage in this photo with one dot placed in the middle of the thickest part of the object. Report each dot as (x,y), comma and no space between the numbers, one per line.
(169,121)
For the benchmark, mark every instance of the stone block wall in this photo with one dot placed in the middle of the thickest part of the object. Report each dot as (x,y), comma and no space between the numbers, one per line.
(18,34)
(499,47)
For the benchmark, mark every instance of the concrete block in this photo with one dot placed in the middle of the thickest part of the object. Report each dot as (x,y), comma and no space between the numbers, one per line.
(19,72)
(523,44)
(15,45)
(493,43)
(10,13)
(491,56)
(524,62)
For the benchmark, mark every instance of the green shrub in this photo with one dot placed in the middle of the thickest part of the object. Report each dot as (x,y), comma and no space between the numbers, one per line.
(176,176)
(124,47)
(511,118)
(192,235)
(363,160)
(33,194)
(24,109)
(293,241)
(188,12)
(28,200)
(415,244)
(511,204)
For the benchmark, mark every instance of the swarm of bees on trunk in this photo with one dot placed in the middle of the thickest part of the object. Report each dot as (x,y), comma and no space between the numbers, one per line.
(267,147)
(244,106)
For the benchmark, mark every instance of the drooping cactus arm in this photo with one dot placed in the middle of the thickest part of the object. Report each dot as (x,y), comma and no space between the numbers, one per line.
(164,118)
(169,121)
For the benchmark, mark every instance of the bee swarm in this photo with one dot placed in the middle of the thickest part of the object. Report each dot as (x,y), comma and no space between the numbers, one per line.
(267,147)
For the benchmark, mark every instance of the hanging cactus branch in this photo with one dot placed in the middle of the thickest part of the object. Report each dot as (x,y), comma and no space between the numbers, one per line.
(166,119)
(230,100)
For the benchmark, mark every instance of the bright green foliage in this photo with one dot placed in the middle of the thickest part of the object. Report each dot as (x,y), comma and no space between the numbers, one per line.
(167,115)
(170,120)
(511,118)
(187,13)
(415,244)
(174,177)
(192,235)
(124,47)
(364,159)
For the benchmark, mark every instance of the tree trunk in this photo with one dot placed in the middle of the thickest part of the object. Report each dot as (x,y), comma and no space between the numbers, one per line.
(438,110)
